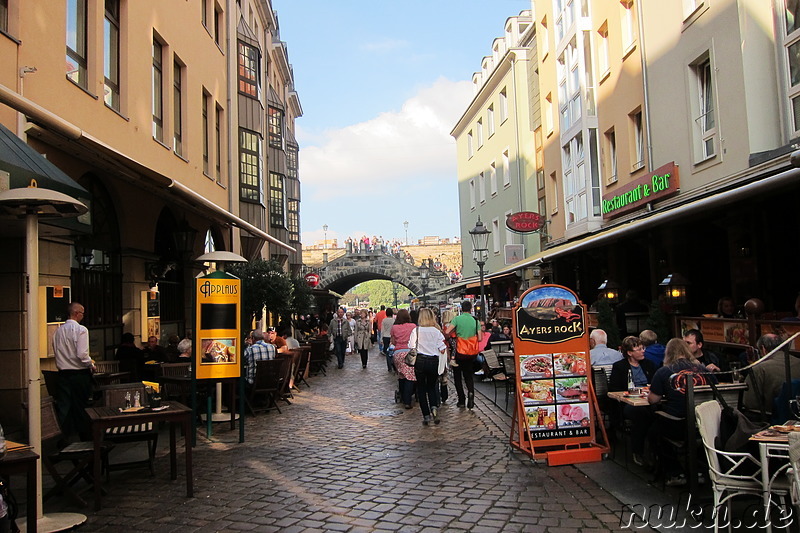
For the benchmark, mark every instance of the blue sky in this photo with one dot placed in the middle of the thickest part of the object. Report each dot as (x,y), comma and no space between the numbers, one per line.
(382,83)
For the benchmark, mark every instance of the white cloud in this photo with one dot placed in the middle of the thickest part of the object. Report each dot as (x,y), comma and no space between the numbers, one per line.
(406,149)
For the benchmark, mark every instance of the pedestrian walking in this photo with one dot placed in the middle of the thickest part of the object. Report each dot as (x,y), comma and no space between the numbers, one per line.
(386,334)
(400,334)
(431,363)
(338,331)
(75,368)
(468,335)
(361,336)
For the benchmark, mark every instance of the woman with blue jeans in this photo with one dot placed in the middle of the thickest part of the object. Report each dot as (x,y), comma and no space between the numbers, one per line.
(431,363)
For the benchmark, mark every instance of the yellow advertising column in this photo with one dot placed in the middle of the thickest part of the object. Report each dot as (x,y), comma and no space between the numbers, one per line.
(217,349)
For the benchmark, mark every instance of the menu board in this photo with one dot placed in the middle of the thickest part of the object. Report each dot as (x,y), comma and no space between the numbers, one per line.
(555,398)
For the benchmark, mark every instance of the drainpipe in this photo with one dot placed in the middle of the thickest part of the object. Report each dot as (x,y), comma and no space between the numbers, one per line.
(231,118)
(646,92)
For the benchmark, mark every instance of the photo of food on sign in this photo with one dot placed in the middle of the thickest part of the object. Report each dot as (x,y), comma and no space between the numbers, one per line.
(219,350)
(573,414)
(551,303)
(537,392)
(569,364)
(736,333)
(542,417)
(571,390)
(536,366)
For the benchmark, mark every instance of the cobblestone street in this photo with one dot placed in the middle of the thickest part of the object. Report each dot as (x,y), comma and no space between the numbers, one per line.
(345,457)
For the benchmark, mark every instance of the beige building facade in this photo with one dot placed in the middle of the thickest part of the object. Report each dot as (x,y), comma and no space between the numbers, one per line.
(139,109)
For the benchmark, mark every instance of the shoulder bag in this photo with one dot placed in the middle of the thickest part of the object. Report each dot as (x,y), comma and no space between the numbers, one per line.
(411,356)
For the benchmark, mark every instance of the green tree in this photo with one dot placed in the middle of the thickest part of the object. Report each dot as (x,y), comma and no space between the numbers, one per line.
(658,322)
(302,296)
(264,285)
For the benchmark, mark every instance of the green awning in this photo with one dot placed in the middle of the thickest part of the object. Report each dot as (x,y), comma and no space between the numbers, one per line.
(25,166)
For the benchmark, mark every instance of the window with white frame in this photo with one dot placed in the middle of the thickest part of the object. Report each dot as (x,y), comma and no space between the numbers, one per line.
(690,6)
(158,91)
(545,37)
(503,105)
(506,169)
(490,120)
(627,24)
(705,124)
(479,129)
(575,184)
(637,140)
(472,194)
(603,65)
(493,178)
(482,187)
(496,235)
(111,54)
(790,36)
(569,89)
(470,147)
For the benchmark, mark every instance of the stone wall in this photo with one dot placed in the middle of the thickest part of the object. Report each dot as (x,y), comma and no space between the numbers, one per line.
(448,254)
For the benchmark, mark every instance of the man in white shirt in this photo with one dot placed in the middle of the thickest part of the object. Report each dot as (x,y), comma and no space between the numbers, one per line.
(600,353)
(75,367)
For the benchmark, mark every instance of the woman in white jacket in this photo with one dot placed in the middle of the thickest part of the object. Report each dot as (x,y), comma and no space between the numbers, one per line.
(431,363)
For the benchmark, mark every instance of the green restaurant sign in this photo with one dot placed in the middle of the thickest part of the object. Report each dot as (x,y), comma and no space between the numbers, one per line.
(659,184)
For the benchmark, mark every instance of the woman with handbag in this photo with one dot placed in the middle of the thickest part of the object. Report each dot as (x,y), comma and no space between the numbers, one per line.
(363,332)
(430,363)
(468,336)
(399,335)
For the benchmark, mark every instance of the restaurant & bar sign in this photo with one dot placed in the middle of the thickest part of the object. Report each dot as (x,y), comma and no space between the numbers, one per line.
(657,185)
(556,409)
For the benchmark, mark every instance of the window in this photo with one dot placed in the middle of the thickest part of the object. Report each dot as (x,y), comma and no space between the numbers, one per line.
(554,191)
(291,160)
(490,119)
(249,70)
(470,147)
(496,235)
(293,219)
(480,132)
(218,23)
(602,50)
(4,15)
(218,139)
(545,37)
(637,136)
(506,169)
(76,42)
(611,156)
(791,58)
(158,93)
(493,178)
(177,109)
(482,187)
(690,6)
(204,12)
(277,199)
(275,127)
(548,113)
(705,127)
(111,54)
(472,194)
(206,145)
(503,106)
(250,165)
(627,25)
(539,159)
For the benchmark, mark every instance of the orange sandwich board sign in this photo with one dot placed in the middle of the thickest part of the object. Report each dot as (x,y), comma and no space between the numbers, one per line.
(555,409)
(217,350)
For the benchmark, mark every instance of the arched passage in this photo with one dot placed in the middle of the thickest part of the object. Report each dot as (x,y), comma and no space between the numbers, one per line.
(344,280)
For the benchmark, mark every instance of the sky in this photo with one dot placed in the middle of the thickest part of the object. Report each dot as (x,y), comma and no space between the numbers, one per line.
(382,83)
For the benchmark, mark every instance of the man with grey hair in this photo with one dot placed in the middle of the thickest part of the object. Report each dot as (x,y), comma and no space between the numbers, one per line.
(258,351)
(766,378)
(600,353)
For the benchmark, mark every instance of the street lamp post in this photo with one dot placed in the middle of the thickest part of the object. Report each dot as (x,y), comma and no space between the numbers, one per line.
(394,290)
(480,251)
(405,225)
(325,238)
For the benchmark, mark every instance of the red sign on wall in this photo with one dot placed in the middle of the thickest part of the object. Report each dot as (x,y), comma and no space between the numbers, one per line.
(312,279)
(524,222)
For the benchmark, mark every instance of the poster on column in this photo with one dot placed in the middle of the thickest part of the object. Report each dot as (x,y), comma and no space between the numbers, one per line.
(552,355)
(217,349)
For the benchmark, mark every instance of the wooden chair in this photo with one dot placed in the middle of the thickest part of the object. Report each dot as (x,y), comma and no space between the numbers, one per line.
(107,367)
(302,367)
(291,358)
(80,454)
(510,370)
(267,385)
(176,390)
(318,357)
(114,396)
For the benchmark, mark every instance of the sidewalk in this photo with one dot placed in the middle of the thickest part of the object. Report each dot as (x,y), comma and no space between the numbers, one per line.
(345,457)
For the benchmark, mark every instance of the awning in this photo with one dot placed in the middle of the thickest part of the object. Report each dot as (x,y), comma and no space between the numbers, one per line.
(715,199)
(24,165)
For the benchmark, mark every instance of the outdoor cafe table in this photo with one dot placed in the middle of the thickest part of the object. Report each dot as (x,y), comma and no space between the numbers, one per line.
(21,459)
(175,413)
(636,400)
(772,445)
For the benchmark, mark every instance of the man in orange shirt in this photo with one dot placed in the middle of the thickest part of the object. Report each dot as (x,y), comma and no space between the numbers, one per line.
(376,327)
(276,340)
